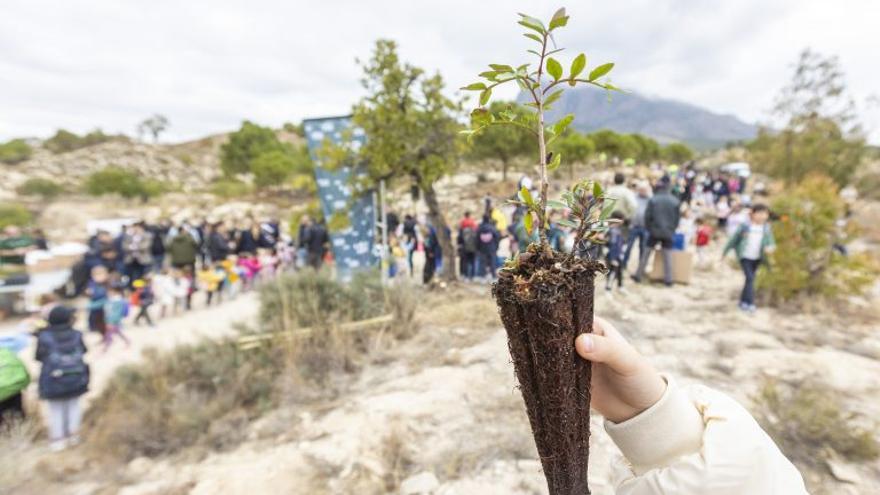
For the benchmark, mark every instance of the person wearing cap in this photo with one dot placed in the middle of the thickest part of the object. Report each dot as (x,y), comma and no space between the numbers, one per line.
(64,375)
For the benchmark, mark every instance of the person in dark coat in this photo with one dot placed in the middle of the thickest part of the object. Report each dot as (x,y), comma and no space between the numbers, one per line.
(488,238)
(183,249)
(64,375)
(661,220)
(218,243)
(249,240)
(157,249)
(317,242)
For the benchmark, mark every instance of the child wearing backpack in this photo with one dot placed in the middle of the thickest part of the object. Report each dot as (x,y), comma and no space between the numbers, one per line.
(64,376)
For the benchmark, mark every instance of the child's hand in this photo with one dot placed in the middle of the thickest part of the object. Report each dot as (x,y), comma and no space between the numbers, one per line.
(624,382)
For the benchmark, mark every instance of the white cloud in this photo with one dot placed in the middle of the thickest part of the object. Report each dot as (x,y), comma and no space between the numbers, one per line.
(209,64)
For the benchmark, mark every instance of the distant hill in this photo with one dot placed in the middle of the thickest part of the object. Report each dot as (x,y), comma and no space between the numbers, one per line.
(662,119)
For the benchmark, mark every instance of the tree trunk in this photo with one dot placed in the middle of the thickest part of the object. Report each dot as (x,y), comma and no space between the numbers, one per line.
(439,223)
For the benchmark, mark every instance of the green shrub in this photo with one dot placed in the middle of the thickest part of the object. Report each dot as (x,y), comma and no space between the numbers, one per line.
(116,180)
(807,418)
(12,214)
(805,262)
(257,150)
(309,299)
(245,145)
(15,151)
(677,153)
(230,188)
(64,141)
(272,168)
(47,188)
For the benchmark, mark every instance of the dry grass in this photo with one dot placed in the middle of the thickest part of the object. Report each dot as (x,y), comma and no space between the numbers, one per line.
(19,453)
(806,418)
(470,307)
(206,395)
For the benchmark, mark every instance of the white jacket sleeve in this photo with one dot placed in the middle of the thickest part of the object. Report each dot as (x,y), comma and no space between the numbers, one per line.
(696,440)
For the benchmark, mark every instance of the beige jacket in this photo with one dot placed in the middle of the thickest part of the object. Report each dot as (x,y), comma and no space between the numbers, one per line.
(698,441)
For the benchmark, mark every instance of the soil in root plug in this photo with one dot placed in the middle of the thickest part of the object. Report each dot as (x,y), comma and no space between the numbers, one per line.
(545,302)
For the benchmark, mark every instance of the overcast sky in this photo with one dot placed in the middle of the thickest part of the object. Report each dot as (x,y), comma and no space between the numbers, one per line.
(208,64)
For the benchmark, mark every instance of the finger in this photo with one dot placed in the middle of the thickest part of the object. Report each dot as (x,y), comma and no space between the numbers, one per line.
(616,353)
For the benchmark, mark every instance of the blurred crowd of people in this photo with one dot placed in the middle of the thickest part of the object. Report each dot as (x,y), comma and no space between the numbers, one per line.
(661,211)
(164,266)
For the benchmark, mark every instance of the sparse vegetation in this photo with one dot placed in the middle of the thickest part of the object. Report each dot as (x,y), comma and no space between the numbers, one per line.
(64,141)
(201,394)
(128,184)
(206,394)
(13,214)
(806,418)
(677,153)
(229,188)
(15,151)
(808,261)
(47,188)
(821,135)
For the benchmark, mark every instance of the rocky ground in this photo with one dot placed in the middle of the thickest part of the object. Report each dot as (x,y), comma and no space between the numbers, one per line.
(440,413)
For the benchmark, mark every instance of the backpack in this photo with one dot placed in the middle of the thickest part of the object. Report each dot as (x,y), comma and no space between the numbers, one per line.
(469,240)
(65,374)
(14,377)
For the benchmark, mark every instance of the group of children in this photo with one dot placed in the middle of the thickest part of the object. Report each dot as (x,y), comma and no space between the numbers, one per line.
(171,289)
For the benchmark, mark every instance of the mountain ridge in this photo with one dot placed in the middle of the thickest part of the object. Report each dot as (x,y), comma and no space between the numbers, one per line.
(664,119)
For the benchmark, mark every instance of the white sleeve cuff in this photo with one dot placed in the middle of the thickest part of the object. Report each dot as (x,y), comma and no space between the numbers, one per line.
(665,431)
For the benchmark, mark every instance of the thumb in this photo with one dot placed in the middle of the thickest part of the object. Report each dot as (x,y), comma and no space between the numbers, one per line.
(614,352)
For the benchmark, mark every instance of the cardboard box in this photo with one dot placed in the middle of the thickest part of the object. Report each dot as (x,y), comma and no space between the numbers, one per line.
(682,266)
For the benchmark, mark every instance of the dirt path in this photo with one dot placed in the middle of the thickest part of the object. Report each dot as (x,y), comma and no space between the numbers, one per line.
(168,333)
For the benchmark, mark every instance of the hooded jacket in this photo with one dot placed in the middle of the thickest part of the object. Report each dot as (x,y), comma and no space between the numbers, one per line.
(67,376)
(696,441)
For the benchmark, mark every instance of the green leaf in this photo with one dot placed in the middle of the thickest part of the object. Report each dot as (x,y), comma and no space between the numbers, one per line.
(532,23)
(578,65)
(501,67)
(553,97)
(607,209)
(567,223)
(559,19)
(485,95)
(534,37)
(526,196)
(597,189)
(554,164)
(600,71)
(563,123)
(477,86)
(554,68)
(480,117)
(527,221)
(556,204)
(533,52)
(522,67)
(489,74)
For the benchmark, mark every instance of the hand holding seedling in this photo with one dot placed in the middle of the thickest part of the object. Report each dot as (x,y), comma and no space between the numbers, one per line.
(624,382)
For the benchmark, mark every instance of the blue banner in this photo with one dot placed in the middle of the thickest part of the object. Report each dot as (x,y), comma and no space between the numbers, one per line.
(352,246)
